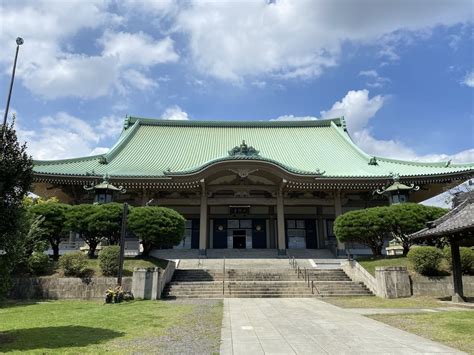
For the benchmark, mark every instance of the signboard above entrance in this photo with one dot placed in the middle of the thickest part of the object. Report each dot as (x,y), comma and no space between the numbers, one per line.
(239,210)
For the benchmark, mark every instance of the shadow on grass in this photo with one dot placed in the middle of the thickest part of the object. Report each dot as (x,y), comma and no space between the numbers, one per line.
(11,303)
(54,337)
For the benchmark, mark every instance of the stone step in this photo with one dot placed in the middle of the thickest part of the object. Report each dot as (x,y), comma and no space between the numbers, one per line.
(266,296)
(263,291)
(253,282)
(259,271)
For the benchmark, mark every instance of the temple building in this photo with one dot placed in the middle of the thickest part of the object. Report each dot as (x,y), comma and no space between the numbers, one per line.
(247,184)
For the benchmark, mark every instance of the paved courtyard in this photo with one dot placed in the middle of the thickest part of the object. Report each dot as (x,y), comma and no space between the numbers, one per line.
(310,326)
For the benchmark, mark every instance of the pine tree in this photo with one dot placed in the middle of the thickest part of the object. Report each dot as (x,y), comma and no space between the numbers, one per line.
(16,176)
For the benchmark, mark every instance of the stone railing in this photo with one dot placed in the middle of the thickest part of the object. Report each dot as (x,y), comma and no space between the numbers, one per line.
(148,283)
(357,273)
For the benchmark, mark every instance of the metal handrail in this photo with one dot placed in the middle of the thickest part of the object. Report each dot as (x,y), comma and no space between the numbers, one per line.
(223,278)
(307,277)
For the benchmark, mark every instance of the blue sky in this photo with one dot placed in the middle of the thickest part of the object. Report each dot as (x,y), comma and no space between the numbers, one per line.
(401,72)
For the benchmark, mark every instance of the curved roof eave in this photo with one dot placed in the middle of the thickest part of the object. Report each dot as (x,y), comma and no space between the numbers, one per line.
(258,159)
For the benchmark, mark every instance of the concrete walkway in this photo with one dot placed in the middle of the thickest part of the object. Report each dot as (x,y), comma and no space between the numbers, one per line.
(310,326)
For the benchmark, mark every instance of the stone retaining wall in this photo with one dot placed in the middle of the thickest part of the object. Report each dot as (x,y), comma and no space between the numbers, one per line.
(440,286)
(64,288)
(396,282)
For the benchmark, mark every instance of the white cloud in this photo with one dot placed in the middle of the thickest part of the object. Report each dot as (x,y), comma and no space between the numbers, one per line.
(137,48)
(65,136)
(50,67)
(469,79)
(288,39)
(294,118)
(72,76)
(399,150)
(110,126)
(139,80)
(99,150)
(357,108)
(174,113)
(374,80)
(156,8)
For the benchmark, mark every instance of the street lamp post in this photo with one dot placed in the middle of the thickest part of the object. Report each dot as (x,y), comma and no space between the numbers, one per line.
(19,42)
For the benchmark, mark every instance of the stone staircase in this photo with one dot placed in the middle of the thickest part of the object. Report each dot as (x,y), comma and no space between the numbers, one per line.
(254,283)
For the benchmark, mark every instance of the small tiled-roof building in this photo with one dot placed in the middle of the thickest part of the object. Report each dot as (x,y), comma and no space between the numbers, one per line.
(245,184)
(457,226)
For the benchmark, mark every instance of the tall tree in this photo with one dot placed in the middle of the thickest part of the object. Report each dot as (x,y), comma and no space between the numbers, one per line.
(156,226)
(53,226)
(106,221)
(77,221)
(370,227)
(16,176)
(407,218)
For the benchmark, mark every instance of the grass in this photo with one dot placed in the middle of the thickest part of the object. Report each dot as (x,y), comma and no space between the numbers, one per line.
(454,329)
(370,263)
(129,264)
(378,302)
(90,327)
(93,268)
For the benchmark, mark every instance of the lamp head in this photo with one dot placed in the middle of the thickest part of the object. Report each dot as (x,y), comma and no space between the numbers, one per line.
(19,41)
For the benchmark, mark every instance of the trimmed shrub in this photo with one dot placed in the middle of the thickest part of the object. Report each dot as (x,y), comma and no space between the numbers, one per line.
(467,259)
(425,260)
(109,260)
(38,263)
(73,264)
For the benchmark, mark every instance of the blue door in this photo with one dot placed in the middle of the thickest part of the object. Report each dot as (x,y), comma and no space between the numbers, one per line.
(195,234)
(311,235)
(259,234)
(220,234)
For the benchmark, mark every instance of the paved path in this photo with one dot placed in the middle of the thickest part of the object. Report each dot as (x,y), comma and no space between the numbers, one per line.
(309,326)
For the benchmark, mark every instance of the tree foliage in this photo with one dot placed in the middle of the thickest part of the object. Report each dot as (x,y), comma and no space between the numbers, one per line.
(53,225)
(78,220)
(407,218)
(156,226)
(105,222)
(16,176)
(369,227)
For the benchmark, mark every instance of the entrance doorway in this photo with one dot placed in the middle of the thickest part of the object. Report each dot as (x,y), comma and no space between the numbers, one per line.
(239,237)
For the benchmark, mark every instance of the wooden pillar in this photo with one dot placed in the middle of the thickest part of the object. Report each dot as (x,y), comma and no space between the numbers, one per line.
(457,273)
(338,212)
(320,228)
(281,220)
(203,220)
(271,229)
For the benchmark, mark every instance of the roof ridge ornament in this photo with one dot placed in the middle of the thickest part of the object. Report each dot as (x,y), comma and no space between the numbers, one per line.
(244,150)
(373,161)
(343,123)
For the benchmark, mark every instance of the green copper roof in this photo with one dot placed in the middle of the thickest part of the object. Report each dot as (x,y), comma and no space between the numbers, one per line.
(160,148)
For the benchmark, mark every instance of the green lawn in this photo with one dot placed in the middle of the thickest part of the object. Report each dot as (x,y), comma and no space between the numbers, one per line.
(72,327)
(129,264)
(455,329)
(371,263)
(378,302)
